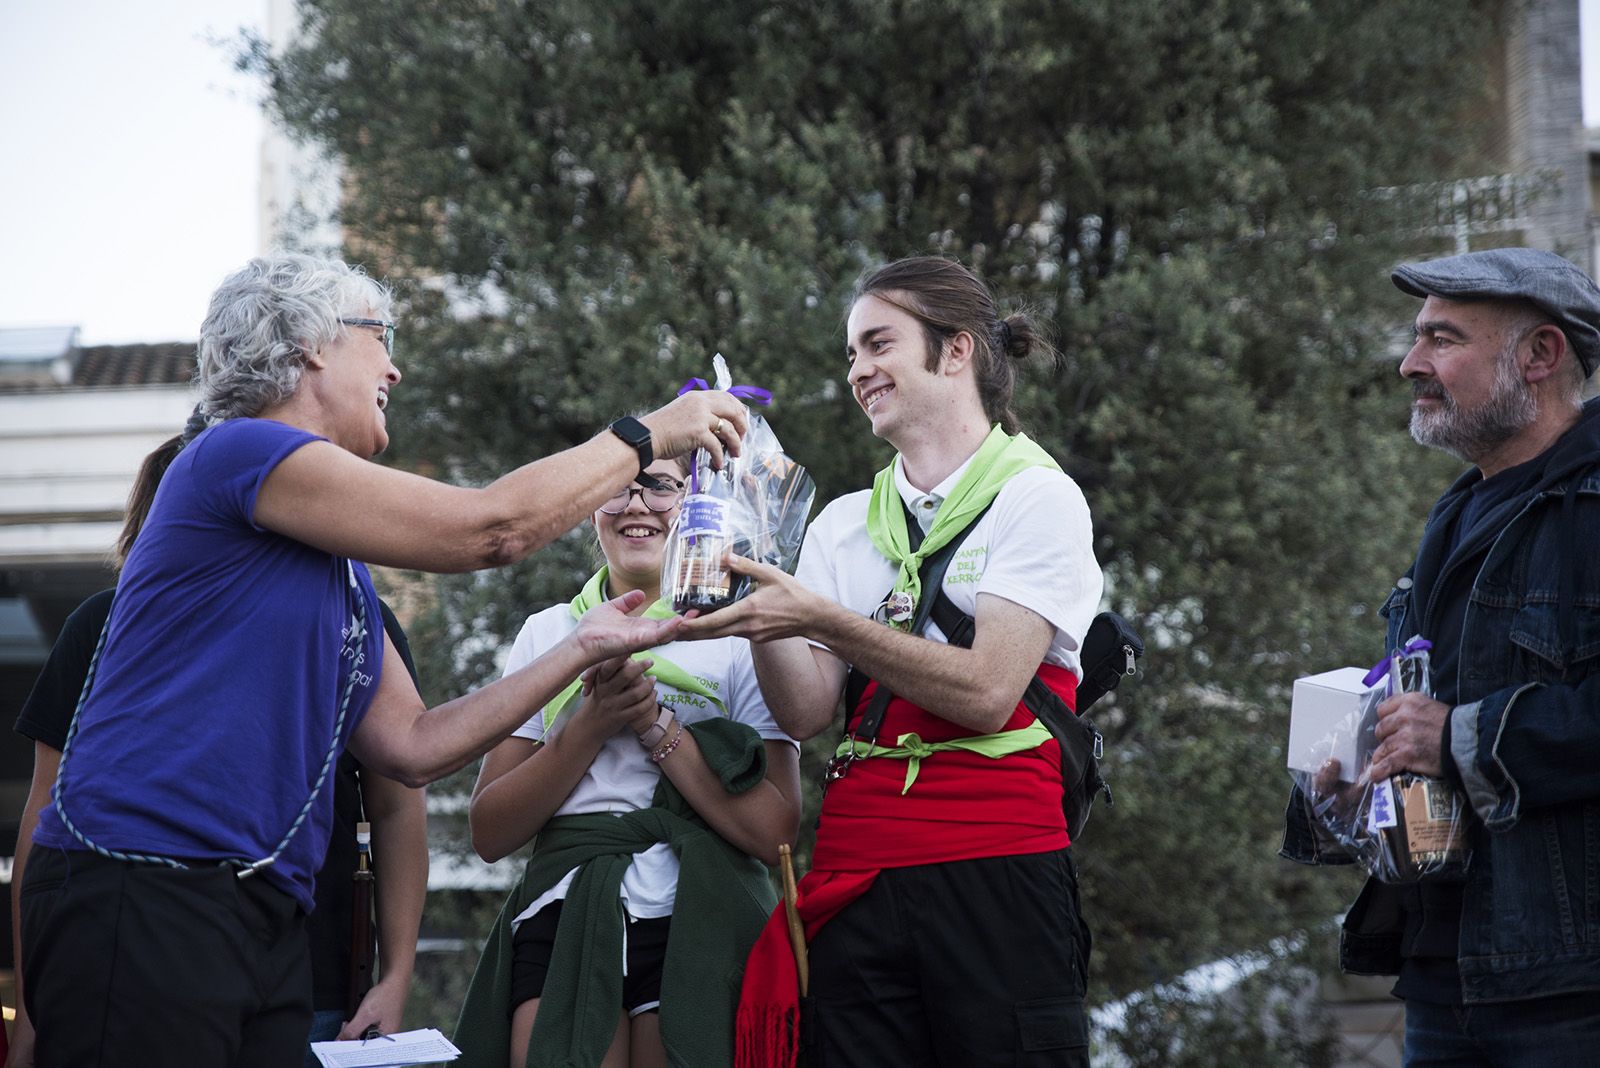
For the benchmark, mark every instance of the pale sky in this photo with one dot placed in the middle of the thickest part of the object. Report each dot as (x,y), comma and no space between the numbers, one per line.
(130,160)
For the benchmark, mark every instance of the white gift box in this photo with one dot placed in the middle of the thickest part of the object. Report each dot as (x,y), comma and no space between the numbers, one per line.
(1325,720)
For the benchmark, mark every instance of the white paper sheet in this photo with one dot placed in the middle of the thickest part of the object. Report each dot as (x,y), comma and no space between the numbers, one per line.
(427,1046)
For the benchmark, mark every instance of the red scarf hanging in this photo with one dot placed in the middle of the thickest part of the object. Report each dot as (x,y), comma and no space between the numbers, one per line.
(963,807)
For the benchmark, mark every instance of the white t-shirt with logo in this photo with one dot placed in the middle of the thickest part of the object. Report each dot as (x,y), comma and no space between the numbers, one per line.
(622,777)
(1034,547)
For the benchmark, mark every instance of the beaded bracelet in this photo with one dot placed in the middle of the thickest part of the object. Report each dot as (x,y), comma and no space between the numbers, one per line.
(658,755)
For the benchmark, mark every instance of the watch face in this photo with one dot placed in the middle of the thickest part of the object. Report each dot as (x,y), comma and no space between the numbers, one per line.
(636,434)
(632,431)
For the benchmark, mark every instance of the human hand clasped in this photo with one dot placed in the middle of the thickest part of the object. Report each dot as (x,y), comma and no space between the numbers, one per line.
(1330,793)
(619,694)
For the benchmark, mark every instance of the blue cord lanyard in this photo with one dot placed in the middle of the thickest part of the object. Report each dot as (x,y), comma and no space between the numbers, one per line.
(358,635)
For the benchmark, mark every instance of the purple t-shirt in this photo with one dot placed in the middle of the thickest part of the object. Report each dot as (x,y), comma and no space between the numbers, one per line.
(215,697)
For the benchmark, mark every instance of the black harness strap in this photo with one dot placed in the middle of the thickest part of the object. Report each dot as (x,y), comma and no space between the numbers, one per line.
(931,575)
(1080,741)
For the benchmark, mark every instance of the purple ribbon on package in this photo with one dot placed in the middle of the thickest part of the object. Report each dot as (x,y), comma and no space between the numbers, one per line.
(1381,668)
(749,393)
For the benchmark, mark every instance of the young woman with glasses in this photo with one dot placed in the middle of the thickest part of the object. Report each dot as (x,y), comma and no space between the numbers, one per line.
(698,803)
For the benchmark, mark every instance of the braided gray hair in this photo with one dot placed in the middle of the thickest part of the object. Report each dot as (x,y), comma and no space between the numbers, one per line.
(267,318)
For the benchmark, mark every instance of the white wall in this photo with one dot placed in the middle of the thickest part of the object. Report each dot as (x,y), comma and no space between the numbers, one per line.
(67,461)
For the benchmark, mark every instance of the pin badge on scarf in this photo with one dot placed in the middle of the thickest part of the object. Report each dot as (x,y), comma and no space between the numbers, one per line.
(899,607)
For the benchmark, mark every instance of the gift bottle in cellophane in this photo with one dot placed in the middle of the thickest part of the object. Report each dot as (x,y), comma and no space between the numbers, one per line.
(694,566)
(1421,821)
(1403,828)
(755,506)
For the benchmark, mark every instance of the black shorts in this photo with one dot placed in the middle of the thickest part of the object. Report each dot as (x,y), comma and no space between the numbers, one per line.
(971,964)
(535,940)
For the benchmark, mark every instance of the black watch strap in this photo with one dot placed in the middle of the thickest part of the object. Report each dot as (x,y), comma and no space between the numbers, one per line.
(637,435)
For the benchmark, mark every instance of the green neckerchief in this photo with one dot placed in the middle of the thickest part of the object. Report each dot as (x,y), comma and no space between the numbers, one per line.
(594,593)
(999,458)
(911,747)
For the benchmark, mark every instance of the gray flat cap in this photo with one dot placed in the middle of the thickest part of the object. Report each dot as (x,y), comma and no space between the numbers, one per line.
(1555,285)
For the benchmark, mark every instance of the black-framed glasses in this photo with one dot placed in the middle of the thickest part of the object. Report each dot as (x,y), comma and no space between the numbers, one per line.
(388,330)
(662,496)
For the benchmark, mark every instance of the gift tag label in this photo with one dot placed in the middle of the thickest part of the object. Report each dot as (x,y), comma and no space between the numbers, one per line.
(703,515)
(1381,814)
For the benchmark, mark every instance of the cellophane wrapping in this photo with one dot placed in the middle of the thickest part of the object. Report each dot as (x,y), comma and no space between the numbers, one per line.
(1405,828)
(756,507)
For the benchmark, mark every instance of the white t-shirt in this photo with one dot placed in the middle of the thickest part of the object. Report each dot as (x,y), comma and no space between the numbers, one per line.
(622,777)
(1034,547)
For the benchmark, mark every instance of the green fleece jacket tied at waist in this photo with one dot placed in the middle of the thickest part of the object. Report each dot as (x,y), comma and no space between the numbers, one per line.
(723,899)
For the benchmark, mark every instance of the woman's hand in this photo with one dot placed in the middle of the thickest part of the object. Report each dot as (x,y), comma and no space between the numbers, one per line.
(606,631)
(704,419)
(620,695)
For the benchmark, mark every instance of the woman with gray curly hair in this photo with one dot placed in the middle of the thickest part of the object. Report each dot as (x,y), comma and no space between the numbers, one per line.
(163,907)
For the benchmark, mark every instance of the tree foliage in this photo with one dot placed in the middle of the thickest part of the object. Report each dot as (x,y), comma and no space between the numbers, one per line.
(580,202)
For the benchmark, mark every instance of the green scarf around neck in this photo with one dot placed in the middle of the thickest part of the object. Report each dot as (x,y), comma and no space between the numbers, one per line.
(999,458)
(594,593)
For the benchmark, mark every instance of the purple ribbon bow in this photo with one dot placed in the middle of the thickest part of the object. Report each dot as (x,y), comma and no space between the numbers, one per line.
(749,393)
(1381,668)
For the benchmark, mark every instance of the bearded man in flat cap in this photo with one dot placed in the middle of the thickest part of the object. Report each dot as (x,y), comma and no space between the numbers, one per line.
(1500,966)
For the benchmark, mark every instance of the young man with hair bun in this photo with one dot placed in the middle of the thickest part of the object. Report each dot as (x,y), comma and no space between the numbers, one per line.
(942,905)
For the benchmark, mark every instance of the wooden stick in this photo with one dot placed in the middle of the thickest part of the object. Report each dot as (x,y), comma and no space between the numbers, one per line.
(797,930)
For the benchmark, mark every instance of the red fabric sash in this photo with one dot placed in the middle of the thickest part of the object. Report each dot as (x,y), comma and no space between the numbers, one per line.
(963,806)
(767,1029)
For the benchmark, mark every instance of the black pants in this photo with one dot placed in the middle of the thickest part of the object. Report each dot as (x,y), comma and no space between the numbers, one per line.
(138,964)
(968,964)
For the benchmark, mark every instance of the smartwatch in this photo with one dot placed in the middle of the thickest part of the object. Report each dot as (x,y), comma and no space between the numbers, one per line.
(637,435)
(658,730)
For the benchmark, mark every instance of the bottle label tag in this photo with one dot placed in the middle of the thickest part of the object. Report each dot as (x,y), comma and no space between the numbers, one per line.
(1381,815)
(1432,822)
(703,515)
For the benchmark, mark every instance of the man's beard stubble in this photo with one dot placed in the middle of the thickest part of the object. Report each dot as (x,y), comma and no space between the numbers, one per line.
(1469,434)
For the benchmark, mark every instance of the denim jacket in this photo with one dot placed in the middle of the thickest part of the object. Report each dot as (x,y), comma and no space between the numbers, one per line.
(1526,743)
